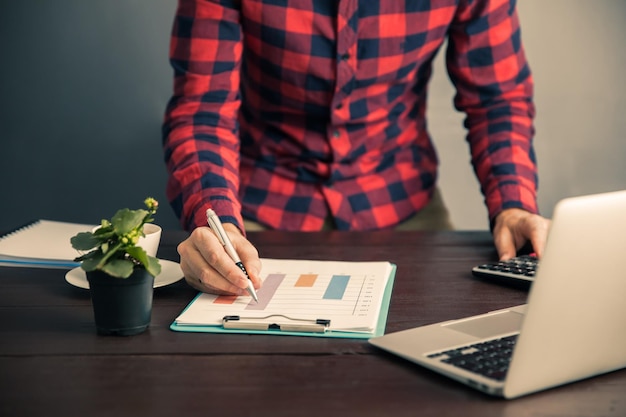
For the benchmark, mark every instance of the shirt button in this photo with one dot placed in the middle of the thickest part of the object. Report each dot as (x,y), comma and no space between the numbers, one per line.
(345,56)
(336,134)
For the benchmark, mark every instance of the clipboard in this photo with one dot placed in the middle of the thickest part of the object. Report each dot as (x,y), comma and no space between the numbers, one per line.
(289,326)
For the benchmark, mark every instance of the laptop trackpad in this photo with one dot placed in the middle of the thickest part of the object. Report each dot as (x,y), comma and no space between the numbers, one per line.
(488,326)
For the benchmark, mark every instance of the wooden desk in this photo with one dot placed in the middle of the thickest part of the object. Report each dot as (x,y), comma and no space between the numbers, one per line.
(52,362)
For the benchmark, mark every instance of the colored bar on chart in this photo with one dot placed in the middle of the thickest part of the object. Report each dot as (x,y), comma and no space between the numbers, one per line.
(266,292)
(306,280)
(337,287)
(225,299)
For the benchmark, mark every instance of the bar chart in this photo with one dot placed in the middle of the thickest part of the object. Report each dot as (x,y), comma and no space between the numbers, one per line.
(285,290)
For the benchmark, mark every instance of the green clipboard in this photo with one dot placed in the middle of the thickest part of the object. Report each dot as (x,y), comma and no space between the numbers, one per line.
(379,331)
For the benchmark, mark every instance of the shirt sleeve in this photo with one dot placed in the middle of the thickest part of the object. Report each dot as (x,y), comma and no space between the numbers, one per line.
(200,130)
(487,65)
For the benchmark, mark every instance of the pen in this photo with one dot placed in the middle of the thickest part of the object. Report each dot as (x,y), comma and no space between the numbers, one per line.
(218,229)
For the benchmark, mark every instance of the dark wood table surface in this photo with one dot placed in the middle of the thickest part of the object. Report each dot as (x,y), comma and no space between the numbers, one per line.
(52,362)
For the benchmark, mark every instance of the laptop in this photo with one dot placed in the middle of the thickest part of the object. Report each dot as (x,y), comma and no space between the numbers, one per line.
(572,327)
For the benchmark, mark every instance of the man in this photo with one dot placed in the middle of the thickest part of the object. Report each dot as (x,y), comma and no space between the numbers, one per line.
(309,114)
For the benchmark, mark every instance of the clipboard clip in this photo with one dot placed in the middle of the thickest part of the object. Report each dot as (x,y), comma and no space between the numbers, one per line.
(294,325)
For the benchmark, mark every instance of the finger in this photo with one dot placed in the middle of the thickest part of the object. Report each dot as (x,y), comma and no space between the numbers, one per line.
(503,235)
(247,252)
(514,228)
(198,284)
(217,257)
(539,234)
(255,273)
(206,279)
(505,243)
(250,259)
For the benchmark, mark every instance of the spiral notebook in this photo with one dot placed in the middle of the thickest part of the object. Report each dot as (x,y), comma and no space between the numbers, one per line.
(42,243)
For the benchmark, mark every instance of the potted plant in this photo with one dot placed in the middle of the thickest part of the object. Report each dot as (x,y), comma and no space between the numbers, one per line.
(119,271)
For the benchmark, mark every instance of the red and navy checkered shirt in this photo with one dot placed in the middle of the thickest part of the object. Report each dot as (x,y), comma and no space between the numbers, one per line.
(292,111)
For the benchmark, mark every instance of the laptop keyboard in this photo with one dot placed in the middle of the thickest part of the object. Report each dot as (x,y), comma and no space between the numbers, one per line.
(490,359)
(522,267)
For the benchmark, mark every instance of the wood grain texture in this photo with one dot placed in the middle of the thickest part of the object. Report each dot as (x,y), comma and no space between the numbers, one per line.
(53,363)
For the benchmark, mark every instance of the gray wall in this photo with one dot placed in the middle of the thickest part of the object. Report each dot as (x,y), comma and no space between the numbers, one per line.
(577,54)
(83,85)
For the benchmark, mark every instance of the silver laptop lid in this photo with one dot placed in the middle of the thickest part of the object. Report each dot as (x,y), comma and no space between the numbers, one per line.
(575,324)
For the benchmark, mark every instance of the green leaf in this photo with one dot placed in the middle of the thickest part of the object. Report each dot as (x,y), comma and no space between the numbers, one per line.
(139,254)
(91,260)
(104,233)
(154,267)
(126,220)
(120,268)
(84,241)
(151,264)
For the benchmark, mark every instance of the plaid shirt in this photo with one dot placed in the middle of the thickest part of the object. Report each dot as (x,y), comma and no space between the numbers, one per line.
(292,111)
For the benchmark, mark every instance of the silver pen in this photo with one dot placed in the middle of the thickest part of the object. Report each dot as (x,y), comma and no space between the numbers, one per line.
(216,225)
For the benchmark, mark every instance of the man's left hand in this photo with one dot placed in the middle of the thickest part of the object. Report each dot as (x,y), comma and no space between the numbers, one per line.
(515,227)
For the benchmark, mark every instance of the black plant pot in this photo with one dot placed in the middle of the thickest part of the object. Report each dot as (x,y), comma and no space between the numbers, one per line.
(121,306)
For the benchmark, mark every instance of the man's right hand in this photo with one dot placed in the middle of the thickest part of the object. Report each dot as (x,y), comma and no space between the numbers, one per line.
(208,268)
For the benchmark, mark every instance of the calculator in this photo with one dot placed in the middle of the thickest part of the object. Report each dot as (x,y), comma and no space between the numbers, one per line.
(520,270)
